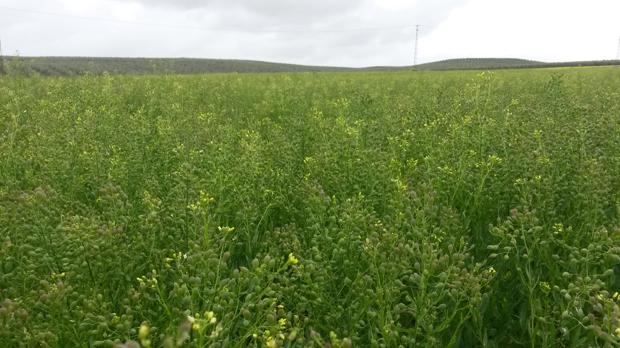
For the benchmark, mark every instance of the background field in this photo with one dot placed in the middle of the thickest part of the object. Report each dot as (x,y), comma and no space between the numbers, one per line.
(312,209)
(72,66)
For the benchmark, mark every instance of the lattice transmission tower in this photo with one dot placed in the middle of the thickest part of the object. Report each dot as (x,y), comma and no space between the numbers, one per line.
(415,51)
(2,71)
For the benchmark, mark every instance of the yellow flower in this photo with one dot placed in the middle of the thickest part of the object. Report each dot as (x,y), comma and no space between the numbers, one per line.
(271,343)
(205,199)
(196,326)
(225,229)
(494,159)
(545,287)
(292,260)
(143,332)
(211,317)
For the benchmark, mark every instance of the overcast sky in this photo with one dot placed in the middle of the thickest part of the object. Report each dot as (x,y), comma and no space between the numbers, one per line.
(318,32)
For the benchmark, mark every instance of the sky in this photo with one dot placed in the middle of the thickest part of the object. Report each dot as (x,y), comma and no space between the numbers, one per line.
(353,33)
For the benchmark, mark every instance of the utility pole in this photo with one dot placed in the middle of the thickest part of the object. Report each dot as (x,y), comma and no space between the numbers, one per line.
(415,52)
(618,51)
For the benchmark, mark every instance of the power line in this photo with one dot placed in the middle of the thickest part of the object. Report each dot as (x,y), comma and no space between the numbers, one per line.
(207,29)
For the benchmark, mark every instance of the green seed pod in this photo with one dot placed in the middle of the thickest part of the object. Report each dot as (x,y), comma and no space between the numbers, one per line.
(246,313)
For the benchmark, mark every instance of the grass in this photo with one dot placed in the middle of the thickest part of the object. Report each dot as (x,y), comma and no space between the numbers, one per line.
(317,209)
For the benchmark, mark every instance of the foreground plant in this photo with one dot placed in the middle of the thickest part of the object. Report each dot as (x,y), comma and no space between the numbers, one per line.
(380,209)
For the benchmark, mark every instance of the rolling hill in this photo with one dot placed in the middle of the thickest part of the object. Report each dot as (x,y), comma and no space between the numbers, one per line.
(504,63)
(478,63)
(73,66)
(69,66)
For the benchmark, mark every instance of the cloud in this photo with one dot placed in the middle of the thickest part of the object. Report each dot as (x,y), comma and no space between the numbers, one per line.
(281,10)
(317,32)
(328,32)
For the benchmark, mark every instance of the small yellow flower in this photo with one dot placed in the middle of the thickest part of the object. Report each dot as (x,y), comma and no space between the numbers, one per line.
(292,260)
(205,198)
(545,287)
(143,332)
(210,316)
(225,229)
(271,343)
(196,326)
(494,159)
(282,322)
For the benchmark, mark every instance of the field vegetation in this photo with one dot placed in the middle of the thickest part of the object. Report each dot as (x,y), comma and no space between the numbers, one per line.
(430,209)
(78,66)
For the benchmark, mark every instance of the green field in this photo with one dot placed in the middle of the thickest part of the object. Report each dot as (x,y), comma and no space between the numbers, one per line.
(428,209)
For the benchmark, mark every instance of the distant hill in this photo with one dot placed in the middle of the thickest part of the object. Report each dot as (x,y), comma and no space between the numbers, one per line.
(69,66)
(72,66)
(478,63)
(503,63)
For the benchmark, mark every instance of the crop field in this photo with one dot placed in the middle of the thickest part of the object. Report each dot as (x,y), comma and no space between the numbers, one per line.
(430,209)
